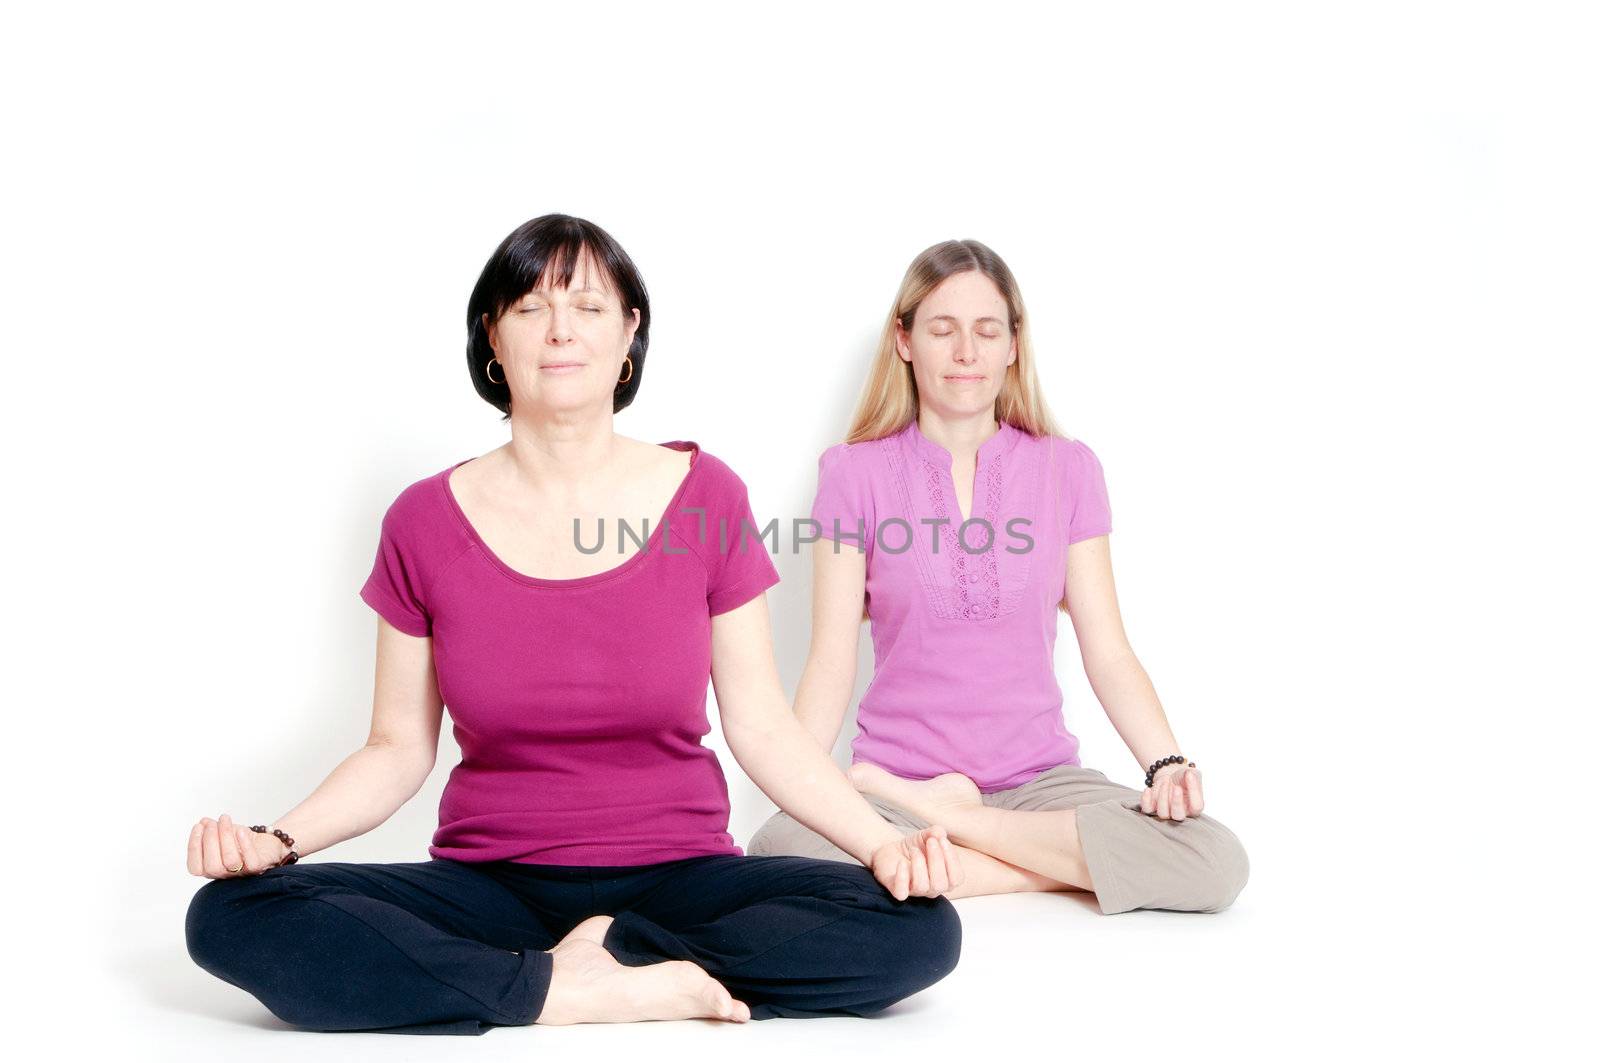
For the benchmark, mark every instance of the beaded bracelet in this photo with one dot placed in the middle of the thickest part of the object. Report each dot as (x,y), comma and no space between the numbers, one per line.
(1150,772)
(285,839)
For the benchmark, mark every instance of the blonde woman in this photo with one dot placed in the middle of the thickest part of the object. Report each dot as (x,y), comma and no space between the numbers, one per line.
(963,520)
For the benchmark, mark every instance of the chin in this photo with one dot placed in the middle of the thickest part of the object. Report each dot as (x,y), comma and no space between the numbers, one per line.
(967,405)
(569,399)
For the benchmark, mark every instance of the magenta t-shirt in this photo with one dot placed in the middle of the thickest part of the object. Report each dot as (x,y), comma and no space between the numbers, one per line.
(578,704)
(963,639)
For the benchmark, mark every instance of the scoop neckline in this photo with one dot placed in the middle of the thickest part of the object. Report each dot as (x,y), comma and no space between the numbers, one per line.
(627,566)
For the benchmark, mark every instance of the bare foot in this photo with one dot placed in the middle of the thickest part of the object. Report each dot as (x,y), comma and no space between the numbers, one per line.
(928,799)
(589,985)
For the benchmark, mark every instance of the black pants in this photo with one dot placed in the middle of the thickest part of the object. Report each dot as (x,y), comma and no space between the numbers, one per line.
(447,946)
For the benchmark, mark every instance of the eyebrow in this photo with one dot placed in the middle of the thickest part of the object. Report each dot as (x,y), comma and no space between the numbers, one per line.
(598,291)
(953,321)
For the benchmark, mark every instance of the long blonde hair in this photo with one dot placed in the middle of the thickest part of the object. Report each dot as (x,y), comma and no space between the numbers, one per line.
(889,400)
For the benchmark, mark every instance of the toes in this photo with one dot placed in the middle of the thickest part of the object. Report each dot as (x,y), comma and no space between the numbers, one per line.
(727,1008)
(711,996)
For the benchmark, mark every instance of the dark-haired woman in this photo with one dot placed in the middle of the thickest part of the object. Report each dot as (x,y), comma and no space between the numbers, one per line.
(582,869)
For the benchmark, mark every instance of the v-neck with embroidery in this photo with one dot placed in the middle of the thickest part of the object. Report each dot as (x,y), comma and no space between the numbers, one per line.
(963,613)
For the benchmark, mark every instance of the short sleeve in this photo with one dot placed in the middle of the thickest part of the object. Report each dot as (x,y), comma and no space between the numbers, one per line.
(394,589)
(1091,507)
(743,568)
(840,508)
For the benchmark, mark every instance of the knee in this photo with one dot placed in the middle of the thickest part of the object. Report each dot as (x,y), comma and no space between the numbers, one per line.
(205,925)
(945,929)
(783,835)
(929,943)
(918,939)
(1229,871)
(761,842)
(211,925)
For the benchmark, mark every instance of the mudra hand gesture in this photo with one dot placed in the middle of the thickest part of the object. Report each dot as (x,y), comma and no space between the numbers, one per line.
(1174,794)
(221,848)
(923,864)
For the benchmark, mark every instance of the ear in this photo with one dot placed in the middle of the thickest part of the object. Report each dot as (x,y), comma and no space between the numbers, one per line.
(902,343)
(633,329)
(1012,358)
(494,341)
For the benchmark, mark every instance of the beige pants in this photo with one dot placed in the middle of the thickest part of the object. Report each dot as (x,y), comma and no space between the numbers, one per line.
(1135,860)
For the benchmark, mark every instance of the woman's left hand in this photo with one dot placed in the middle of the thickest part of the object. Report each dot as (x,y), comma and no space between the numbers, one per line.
(1174,794)
(923,864)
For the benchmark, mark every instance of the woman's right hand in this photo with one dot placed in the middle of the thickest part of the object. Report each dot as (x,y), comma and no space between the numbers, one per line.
(215,845)
(922,864)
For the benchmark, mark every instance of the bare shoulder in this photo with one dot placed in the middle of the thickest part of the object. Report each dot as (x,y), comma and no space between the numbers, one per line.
(647,473)
(468,478)
(674,461)
(653,462)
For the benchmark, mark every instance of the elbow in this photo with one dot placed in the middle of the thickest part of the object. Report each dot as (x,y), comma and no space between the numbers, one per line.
(743,733)
(1108,661)
(412,762)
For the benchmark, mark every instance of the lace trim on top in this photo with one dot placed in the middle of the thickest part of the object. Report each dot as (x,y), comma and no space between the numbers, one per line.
(962,586)
(976,576)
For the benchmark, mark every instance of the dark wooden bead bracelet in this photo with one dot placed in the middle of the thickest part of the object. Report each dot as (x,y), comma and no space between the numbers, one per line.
(285,839)
(1150,772)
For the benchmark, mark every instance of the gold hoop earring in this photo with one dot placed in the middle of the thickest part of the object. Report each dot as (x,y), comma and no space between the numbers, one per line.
(624,380)
(488,371)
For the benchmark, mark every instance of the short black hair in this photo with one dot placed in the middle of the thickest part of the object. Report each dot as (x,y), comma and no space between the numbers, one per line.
(555,242)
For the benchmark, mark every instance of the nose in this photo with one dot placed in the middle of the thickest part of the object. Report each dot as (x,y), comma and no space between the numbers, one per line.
(560,326)
(966,352)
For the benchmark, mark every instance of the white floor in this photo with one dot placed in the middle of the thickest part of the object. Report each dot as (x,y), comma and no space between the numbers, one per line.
(1316,281)
(1288,972)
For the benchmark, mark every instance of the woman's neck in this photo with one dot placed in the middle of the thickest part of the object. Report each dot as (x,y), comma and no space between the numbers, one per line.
(563,452)
(960,435)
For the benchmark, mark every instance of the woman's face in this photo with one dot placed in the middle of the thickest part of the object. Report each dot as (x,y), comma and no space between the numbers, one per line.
(563,348)
(959,345)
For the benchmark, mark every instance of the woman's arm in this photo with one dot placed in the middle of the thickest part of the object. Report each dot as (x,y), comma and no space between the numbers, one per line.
(1115,674)
(838,589)
(784,760)
(372,783)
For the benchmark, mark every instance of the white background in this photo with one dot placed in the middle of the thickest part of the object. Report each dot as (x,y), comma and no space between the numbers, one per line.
(1316,282)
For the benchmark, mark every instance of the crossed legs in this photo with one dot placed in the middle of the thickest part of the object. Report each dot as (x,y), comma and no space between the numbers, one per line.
(1026,851)
(1069,828)
(449,947)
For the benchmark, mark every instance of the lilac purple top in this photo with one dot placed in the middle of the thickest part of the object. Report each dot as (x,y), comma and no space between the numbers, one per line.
(963,613)
(578,704)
